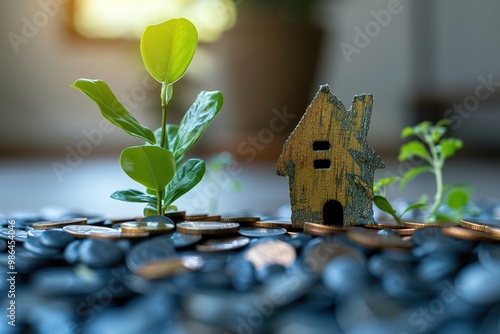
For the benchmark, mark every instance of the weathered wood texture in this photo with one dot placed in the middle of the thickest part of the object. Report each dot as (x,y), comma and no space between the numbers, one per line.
(328,162)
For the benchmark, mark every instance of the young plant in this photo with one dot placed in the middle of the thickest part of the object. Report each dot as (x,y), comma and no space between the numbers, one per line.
(167,50)
(379,188)
(433,148)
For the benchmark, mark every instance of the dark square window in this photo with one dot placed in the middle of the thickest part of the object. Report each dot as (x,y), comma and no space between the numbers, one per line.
(322,163)
(321,145)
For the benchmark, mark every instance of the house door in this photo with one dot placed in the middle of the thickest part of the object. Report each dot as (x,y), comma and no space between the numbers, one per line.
(333,213)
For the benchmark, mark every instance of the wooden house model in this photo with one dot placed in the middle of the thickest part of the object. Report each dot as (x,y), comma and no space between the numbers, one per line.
(328,162)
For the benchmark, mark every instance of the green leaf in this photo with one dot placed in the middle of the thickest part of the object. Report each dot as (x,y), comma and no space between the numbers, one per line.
(379,186)
(457,199)
(408,131)
(414,149)
(131,195)
(167,49)
(184,180)
(437,132)
(383,204)
(170,208)
(422,128)
(150,210)
(206,106)
(450,146)
(171,130)
(415,171)
(444,122)
(413,206)
(112,109)
(151,166)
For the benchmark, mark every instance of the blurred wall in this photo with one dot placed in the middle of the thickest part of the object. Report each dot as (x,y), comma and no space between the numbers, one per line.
(437,46)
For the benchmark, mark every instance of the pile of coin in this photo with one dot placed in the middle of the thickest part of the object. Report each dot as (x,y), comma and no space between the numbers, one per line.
(197,273)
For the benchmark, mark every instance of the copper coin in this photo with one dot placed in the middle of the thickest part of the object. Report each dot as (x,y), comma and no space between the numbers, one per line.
(223,244)
(59,223)
(493,231)
(150,227)
(171,266)
(319,230)
(383,226)
(269,224)
(271,252)
(118,220)
(212,228)
(477,225)
(466,234)
(424,225)
(243,221)
(198,217)
(239,219)
(176,216)
(370,238)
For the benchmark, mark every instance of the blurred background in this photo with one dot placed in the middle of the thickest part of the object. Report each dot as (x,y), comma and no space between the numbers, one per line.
(420,59)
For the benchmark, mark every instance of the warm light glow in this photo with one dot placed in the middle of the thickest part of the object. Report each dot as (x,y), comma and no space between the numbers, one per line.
(128,18)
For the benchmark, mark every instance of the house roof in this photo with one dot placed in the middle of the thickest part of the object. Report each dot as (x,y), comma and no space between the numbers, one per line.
(326,102)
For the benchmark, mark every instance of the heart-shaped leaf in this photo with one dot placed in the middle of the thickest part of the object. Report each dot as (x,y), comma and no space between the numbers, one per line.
(206,106)
(112,109)
(167,49)
(151,166)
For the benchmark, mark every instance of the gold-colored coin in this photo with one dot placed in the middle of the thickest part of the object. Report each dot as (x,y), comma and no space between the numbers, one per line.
(223,244)
(424,225)
(271,252)
(198,217)
(171,266)
(150,227)
(43,225)
(466,234)
(370,238)
(115,221)
(243,221)
(84,231)
(405,231)
(477,225)
(493,231)
(319,230)
(211,228)
(382,226)
(268,224)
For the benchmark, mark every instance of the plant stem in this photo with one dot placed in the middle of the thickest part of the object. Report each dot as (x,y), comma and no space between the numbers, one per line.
(164,138)
(163,142)
(159,204)
(437,166)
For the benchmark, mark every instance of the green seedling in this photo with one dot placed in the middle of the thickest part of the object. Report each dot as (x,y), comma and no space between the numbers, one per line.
(433,148)
(167,50)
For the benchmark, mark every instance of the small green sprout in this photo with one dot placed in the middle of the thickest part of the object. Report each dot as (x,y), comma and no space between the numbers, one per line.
(167,49)
(433,148)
